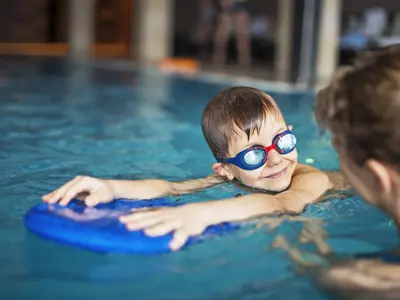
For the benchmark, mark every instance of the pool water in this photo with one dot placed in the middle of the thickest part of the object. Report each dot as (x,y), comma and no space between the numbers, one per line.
(60,119)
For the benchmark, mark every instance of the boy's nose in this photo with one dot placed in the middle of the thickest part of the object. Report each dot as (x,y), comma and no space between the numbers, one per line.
(274,158)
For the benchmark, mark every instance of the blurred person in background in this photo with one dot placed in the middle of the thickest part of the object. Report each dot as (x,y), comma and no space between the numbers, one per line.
(233,13)
(206,25)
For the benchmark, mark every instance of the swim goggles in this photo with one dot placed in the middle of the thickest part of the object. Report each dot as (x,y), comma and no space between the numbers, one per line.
(256,156)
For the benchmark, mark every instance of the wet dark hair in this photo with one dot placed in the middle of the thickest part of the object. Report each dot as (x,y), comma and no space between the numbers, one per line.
(361,106)
(244,107)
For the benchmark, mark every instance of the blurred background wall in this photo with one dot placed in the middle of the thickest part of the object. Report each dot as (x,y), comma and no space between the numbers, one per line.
(295,41)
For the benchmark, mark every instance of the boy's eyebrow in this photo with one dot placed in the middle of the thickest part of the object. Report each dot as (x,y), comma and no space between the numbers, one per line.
(281,129)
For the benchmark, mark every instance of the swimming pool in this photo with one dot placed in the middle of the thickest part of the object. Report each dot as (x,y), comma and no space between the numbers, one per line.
(58,120)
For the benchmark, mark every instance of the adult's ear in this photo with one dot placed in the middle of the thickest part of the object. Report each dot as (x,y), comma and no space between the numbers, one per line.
(382,175)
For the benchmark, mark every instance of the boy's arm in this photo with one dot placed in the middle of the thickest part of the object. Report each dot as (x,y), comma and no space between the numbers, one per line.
(308,185)
(153,188)
(95,190)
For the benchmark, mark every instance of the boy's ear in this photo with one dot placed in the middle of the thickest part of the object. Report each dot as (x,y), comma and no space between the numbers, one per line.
(222,170)
(290,127)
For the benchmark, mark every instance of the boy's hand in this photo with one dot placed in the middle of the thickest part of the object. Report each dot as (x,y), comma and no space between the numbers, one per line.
(187,220)
(102,191)
(97,190)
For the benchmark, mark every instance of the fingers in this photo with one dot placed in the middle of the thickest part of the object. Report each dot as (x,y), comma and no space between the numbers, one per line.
(142,219)
(91,190)
(92,200)
(95,198)
(73,190)
(162,228)
(155,226)
(56,195)
(179,239)
(154,222)
(161,222)
(144,223)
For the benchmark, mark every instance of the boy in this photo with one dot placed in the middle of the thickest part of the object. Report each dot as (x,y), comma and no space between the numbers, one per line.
(253,146)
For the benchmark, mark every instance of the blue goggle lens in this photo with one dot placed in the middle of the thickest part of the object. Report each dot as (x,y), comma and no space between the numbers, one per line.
(286,143)
(254,157)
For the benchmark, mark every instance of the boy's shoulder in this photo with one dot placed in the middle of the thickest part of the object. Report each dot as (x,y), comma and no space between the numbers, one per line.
(336,177)
(303,168)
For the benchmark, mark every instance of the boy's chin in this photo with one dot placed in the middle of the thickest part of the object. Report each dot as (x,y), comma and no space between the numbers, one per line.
(276,188)
(269,188)
(279,188)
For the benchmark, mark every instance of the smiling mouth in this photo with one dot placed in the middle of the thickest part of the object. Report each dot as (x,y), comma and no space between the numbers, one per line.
(277,174)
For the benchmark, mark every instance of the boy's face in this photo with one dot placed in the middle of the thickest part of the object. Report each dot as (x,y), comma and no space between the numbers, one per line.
(276,174)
